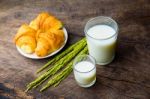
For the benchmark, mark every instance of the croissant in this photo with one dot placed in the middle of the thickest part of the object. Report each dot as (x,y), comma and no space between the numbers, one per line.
(51,22)
(25,39)
(48,42)
(58,37)
(38,22)
(44,22)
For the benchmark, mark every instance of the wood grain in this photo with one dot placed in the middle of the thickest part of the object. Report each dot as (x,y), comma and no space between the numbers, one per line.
(127,77)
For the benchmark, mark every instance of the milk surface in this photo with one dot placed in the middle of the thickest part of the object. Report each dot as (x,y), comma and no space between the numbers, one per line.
(101,31)
(101,43)
(84,66)
(85,72)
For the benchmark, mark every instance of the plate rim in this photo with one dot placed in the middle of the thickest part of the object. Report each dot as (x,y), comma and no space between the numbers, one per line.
(34,56)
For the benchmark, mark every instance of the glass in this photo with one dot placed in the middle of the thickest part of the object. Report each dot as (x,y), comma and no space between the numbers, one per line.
(84,70)
(102,49)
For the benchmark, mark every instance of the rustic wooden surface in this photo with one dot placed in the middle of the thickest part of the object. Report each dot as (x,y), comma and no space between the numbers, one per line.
(127,77)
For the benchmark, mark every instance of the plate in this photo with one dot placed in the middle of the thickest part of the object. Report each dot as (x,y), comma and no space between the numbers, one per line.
(34,56)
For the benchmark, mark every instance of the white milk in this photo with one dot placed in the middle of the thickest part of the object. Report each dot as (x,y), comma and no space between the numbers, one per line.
(85,73)
(101,44)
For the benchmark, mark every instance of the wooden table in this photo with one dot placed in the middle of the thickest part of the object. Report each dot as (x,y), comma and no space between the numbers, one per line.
(127,77)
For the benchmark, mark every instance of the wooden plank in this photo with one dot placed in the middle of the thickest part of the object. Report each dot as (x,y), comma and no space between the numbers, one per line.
(127,77)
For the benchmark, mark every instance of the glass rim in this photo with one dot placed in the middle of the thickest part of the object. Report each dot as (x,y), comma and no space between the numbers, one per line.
(116,31)
(91,57)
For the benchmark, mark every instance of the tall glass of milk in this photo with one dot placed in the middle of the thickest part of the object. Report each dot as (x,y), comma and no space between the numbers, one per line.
(101,34)
(84,70)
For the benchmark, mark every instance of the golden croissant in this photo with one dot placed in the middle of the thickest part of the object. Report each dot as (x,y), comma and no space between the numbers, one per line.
(49,41)
(43,35)
(44,22)
(38,22)
(25,39)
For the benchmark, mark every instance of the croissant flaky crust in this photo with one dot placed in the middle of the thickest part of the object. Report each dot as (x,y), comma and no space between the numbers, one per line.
(42,36)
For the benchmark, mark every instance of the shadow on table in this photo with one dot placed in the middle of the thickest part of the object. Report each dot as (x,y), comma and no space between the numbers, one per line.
(5,92)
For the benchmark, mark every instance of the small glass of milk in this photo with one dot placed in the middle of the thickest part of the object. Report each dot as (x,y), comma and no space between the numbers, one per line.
(84,70)
(101,34)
